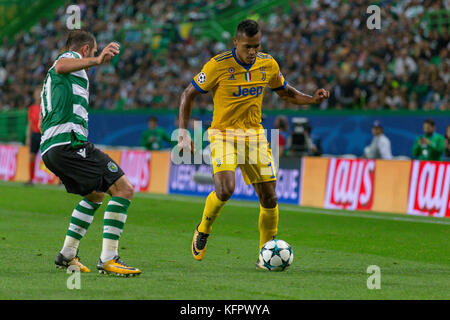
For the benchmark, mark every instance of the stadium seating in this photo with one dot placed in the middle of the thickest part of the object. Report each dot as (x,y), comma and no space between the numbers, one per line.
(317,43)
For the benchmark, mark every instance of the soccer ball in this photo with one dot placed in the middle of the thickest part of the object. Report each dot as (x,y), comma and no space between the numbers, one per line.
(276,255)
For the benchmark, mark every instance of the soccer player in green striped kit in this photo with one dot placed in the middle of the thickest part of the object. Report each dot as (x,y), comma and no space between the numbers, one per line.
(82,168)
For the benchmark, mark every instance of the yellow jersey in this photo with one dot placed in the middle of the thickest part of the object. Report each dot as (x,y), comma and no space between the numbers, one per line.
(238,89)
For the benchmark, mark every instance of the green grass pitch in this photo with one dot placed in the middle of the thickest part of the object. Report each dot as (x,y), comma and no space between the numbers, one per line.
(332,251)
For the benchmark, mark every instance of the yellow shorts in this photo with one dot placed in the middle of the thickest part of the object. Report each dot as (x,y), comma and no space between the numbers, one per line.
(251,154)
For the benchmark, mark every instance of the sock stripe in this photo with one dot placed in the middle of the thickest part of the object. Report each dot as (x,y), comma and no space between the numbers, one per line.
(115,203)
(110,236)
(112,230)
(75,235)
(77,229)
(117,209)
(94,205)
(116,216)
(124,202)
(85,210)
(86,205)
(82,216)
(114,223)
(79,223)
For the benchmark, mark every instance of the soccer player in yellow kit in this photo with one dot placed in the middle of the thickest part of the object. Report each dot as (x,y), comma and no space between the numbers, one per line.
(237,80)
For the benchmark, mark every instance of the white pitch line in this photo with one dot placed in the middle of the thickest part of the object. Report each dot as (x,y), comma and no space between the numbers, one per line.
(179,198)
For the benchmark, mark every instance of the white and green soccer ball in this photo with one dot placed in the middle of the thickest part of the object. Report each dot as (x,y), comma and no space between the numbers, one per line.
(276,255)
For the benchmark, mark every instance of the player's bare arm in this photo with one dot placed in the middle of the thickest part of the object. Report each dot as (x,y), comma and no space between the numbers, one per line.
(40,123)
(68,65)
(186,104)
(28,138)
(294,96)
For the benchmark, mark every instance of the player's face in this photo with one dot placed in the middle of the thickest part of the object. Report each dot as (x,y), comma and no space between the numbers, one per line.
(89,52)
(247,47)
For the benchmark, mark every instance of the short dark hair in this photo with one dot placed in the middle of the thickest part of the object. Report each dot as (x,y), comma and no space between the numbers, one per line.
(152,118)
(430,122)
(247,27)
(78,38)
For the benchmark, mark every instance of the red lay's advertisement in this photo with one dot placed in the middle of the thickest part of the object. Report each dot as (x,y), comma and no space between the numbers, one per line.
(41,173)
(350,184)
(429,189)
(8,162)
(136,166)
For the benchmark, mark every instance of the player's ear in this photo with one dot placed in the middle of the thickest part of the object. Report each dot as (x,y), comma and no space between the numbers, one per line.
(85,50)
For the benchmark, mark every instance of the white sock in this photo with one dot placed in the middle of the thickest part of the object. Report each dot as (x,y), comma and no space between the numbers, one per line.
(70,247)
(110,249)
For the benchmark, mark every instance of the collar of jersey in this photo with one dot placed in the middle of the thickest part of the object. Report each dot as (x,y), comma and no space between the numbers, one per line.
(245,66)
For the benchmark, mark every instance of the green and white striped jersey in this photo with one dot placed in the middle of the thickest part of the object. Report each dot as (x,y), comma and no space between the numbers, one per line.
(64,107)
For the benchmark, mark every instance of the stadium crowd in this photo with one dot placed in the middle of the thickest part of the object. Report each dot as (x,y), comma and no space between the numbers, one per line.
(323,44)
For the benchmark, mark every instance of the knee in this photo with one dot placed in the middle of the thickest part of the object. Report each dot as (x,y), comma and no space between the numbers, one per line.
(126,191)
(225,192)
(269,201)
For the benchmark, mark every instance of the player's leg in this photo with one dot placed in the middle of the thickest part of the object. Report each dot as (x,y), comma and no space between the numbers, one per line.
(34,148)
(31,168)
(115,216)
(224,182)
(268,215)
(81,219)
(223,156)
(116,212)
(262,175)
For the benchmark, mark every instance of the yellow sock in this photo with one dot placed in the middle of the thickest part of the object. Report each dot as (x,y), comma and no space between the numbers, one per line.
(213,206)
(268,224)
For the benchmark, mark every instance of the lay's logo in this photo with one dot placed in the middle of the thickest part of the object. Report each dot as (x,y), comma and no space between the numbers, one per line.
(252,91)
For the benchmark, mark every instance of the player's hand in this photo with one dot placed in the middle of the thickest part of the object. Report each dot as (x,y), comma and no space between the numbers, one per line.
(108,53)
(320,95)
(185,142)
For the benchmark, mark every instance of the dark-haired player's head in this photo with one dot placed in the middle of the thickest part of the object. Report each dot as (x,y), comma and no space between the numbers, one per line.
(82,42)
(429,126)
(247,41)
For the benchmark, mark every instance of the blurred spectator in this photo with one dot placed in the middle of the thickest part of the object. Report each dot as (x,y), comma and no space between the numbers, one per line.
(313,143)
(281,123)
(404,64)
(153,138)
(33,139)
(430,145)
(317,43)
(380,147)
